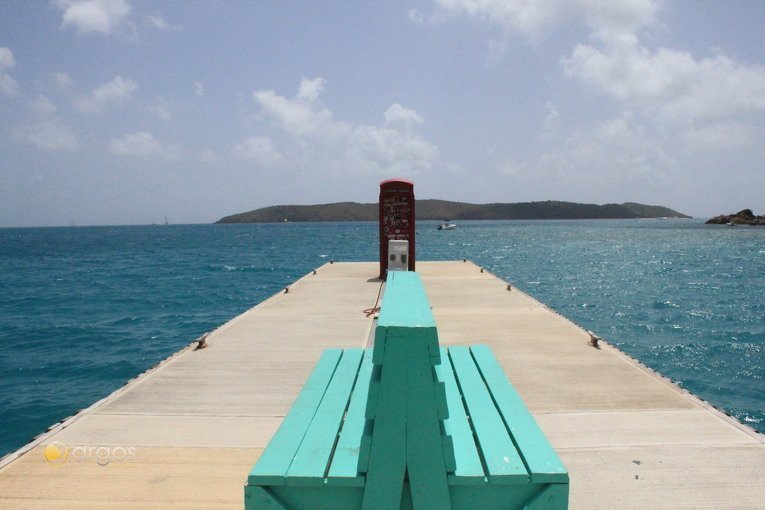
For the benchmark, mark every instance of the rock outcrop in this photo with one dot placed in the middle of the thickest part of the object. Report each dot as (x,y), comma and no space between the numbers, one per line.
(744,217)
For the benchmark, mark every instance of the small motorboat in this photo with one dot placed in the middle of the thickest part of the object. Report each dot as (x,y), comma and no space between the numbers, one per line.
(445,225)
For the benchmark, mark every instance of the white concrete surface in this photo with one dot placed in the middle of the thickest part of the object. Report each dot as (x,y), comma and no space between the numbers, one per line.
(199,421)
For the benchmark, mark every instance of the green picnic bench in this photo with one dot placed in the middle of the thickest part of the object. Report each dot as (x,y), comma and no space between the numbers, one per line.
(408,424)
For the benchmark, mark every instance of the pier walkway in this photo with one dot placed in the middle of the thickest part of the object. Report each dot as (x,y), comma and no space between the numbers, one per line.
(186,433)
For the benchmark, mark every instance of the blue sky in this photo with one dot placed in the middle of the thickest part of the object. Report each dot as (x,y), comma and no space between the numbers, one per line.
(127,111)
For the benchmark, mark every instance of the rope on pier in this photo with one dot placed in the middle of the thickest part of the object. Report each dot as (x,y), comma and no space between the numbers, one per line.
(375,308)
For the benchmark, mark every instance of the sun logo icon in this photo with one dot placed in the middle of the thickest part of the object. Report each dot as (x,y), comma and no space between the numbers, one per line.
(56,453)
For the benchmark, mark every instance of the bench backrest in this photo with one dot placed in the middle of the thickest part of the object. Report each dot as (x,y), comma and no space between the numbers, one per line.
(406,404)
(405,312)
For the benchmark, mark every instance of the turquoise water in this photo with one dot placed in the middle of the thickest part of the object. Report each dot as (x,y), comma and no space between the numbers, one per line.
(83,310)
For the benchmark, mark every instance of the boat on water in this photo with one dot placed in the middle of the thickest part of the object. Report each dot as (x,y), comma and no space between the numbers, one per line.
(445,225)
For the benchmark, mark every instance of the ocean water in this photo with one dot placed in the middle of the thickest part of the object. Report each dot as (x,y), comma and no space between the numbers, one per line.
(83,310)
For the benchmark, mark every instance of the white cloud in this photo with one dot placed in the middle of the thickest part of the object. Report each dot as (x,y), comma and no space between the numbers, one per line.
(161,109)
(536,18)
(296,116)
(722,135)
(415,16)
(671,100)
(317,139)
(46,130)
(89,16)
(402,119)
(158,22)
(619,154)
(43,106)
(62,80)
(208,156)
(6,59)
(8,86)
(310,90)
(617,21)
(199,89)
(115,91)
(552,120)
(259,150)
(143,144)
(683,116)
(674,84)
(50,134)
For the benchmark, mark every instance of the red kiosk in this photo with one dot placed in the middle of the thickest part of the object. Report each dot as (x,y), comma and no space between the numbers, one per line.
(396,220)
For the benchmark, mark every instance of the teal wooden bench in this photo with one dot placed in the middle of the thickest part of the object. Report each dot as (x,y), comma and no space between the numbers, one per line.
(406,425)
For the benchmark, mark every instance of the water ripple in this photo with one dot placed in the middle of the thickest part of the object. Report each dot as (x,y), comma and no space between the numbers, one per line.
(83,310)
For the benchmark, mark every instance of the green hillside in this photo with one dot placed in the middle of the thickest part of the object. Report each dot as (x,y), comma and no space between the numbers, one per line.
(442,209)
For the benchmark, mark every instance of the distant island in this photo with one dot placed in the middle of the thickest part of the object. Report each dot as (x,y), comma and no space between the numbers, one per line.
(443,209)
(744,217)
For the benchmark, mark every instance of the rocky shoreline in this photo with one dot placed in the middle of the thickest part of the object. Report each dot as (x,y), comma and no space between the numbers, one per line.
(745,217)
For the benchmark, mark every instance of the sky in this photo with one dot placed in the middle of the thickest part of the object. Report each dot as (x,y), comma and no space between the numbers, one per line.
(133,111)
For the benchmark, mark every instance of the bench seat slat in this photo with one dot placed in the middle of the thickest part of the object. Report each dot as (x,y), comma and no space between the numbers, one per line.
(344,466)
(468,463)
(542,461)
(503,463)
(273,464)
(313,455)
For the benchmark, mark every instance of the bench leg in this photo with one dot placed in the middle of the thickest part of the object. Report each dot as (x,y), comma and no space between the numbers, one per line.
(387,455)
(424,454)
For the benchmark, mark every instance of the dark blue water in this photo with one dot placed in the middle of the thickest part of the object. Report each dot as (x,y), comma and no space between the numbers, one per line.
(82,310)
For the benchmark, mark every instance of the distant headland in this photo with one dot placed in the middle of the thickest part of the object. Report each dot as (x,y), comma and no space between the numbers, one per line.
(744,217)
(442,209)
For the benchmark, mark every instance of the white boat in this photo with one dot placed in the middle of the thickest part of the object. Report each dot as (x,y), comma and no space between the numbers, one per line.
(445,225)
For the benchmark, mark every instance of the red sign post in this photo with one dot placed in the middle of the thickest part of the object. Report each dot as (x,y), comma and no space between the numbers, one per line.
(396,218)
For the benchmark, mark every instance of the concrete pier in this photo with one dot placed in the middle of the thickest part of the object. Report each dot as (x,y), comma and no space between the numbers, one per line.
(186,433)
